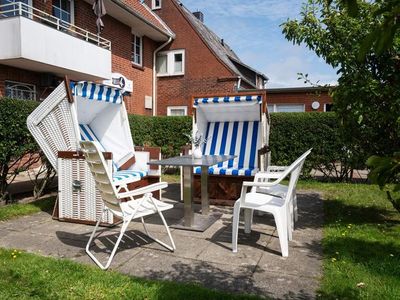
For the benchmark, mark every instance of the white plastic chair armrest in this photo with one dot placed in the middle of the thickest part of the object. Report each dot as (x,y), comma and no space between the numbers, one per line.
(276,168)
(147,189)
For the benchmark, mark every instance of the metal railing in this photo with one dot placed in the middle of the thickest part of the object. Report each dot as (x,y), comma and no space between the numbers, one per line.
(15,9)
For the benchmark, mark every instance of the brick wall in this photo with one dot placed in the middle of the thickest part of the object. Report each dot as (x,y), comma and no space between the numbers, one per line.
(202,68)
(121,39)
(303,97)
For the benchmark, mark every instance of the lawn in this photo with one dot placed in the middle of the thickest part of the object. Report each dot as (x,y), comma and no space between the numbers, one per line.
(24,275)
(361,257)
(361,243)
(17,210)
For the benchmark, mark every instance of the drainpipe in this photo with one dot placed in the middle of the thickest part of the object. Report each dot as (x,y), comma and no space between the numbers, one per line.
(239,83)
(155,74)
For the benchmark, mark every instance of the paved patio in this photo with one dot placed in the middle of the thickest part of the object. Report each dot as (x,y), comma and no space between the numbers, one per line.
(205,258)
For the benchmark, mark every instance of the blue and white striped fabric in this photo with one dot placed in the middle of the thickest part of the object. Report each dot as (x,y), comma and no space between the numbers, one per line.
(242,139)
(119,177)
(97,92)
(232,99)
(127,176)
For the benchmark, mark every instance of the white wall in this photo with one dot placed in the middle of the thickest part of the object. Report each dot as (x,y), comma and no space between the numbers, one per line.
(56,50)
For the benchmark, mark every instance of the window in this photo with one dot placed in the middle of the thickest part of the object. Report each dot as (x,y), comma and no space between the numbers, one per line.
(328,107)
(286,108)
(171,63)
(12,8)
(64,10)
(176,111)
(155,4)
(18,90)
(137,50)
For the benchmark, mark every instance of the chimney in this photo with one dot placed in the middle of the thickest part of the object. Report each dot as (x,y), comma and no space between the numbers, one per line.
(199,15)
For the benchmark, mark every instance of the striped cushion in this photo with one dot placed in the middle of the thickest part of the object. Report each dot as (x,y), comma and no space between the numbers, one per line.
(97,92)
(228,171)
(127,176)
(242,139)
(246,98)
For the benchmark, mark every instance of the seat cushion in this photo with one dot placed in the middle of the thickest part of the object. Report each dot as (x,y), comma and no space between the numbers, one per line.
(127,176)
(228,171)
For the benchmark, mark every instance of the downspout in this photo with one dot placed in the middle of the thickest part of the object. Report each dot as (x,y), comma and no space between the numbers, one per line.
(155,74)
(239,83)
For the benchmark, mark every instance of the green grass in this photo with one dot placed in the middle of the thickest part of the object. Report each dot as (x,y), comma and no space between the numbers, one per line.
(31,276)
(17,210)
(361,242)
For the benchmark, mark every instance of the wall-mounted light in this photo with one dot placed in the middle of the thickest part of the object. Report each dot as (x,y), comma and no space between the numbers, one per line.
(315,105)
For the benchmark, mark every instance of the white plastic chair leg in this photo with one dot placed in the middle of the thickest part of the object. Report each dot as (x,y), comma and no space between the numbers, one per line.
(172,247)
(235,225)
(123,229)
(281,226)
(248,220)
(295,211)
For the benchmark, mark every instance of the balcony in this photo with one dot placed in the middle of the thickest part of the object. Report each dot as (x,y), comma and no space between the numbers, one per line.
(34,40)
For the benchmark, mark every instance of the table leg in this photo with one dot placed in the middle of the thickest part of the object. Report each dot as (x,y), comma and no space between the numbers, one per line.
(188,196)
(205,207)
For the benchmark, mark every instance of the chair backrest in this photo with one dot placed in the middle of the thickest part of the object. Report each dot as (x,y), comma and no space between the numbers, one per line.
(240,138)
(101,175)
(295,174)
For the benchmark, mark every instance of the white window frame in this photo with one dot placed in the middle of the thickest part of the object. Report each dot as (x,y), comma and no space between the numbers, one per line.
(154,4)
(171,108)
(171,62)
(275,106)
(71,12)
(31,88)
(10,2)
(134,36)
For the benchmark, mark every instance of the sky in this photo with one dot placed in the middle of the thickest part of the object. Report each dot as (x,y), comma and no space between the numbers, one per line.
(251,28)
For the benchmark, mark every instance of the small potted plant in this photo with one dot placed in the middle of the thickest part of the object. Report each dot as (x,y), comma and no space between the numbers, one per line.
(197,140)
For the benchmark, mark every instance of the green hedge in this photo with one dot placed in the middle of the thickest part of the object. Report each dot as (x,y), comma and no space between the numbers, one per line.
(15,139)
(294,133)
(291,135)
(169,133)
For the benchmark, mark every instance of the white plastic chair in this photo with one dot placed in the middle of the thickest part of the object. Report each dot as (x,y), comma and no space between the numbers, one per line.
(141,203)
(280,190)
(278,206)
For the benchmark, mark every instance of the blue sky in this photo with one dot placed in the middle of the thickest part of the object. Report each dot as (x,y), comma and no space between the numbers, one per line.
(251,28)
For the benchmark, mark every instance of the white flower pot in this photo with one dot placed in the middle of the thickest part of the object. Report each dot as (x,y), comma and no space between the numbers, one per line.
(197,153)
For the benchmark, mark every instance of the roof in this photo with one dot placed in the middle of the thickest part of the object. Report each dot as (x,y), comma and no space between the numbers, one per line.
(142,11)
(299,89)
(221,49)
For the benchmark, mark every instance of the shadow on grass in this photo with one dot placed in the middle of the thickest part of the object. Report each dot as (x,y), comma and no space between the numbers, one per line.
(337,212)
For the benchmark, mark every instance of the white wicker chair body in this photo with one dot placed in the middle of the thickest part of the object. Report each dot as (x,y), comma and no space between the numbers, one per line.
(278,206)
(141,202)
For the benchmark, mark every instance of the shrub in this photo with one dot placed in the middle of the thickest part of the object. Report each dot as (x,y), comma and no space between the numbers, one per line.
(16,142)
(169,133)
(293,133)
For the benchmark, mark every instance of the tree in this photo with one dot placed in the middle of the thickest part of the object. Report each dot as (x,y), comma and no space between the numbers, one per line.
(363,43)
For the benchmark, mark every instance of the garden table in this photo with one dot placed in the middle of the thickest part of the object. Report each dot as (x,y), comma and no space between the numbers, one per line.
(192,221)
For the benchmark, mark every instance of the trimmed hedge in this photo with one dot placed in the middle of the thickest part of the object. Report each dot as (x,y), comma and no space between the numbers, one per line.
(291,135)
(169,133)
(15,139)
(294,133)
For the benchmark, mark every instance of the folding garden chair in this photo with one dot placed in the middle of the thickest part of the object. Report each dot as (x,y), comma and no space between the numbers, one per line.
(141,203)
(278,206)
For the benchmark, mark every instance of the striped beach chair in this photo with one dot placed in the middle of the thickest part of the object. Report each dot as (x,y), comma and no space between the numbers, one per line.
(236,125)
(86,111)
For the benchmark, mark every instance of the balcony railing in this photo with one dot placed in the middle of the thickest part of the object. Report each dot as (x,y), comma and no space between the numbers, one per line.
(21,9)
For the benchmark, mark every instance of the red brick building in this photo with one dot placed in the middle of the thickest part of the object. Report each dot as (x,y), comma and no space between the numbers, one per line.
(196,62)
(41,41)
(299,99)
